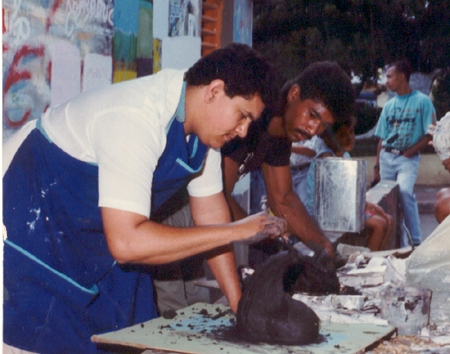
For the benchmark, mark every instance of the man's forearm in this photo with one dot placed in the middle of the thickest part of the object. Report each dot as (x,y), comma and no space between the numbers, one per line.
(237,212)
(376,168)
(379,147)
(301,224)
(414,149)
(230,170)
(446,164)
(286,204)
(223,267)
(220,260)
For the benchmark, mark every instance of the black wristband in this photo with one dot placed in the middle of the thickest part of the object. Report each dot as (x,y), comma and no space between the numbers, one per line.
(376,167)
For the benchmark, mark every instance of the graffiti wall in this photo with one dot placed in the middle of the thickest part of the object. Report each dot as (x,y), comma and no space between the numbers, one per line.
(52,51)
(55,49)
(133,39)
(176,32)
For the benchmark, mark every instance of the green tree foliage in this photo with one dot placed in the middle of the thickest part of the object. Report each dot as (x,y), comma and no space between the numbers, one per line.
(361,35)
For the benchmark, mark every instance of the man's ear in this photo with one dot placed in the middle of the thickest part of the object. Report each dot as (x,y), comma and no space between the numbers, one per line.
(214,88)
(293,93)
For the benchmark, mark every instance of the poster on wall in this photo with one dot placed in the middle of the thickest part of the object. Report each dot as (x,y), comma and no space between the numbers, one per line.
(34,66)
(157,51)
(184,18)
(126,27)
(243,20)
(144,41)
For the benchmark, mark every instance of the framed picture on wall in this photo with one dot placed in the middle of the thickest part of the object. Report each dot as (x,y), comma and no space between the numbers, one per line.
(184,18)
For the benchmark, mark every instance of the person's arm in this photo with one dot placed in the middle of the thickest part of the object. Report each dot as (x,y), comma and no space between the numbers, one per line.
(442,204)
(303,150)
(414,149)
(230,178)
(376,209)
(376,168)
(221,261)
(285,203)
(428,119)
(446,164)
(132,238)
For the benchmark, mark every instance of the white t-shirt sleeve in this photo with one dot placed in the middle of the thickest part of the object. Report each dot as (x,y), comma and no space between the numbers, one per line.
(127,147)
(210,180)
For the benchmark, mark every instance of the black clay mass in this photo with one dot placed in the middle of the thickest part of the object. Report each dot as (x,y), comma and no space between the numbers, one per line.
(267,313)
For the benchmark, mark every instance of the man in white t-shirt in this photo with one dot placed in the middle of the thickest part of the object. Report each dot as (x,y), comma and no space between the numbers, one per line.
(81,183)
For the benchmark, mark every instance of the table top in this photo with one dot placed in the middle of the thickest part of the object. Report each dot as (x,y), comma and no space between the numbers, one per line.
(193,331)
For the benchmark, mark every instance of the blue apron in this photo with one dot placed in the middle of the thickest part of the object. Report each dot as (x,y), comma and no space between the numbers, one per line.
(62,284)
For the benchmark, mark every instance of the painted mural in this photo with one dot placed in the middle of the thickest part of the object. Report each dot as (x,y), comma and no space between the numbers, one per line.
(157,55)
(184,18)
(144,47)
(243,21)
(126,16)
(52,50)
(55,49)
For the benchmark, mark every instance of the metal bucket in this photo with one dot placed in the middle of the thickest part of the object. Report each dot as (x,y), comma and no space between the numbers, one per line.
(408,309)
(340,194)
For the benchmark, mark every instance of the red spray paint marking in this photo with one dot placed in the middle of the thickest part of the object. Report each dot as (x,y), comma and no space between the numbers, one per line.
(3,21)
(52,11)
(14,76)
(49,72)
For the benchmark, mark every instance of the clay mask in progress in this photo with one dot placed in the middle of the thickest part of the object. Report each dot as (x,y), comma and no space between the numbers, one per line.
(268,313)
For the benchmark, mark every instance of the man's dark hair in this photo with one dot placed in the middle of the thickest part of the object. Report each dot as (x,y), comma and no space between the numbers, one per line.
(324,82)
(244,72)
(330,138)
(403,67)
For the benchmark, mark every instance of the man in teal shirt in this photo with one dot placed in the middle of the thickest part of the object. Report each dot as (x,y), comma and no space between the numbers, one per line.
(402,129)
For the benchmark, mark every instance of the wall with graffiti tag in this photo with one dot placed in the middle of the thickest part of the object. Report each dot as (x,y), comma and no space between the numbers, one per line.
(52,51)
(55,49)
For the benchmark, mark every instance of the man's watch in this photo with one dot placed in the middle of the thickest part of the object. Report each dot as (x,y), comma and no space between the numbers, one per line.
(376,167)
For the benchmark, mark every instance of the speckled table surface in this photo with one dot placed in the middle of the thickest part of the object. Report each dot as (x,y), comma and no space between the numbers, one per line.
(195,328)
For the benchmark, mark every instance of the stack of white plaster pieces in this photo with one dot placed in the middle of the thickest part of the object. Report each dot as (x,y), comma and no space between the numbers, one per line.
(405,288)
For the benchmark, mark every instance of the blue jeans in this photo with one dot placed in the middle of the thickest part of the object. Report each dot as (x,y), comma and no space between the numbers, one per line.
(257,190)
(404,171)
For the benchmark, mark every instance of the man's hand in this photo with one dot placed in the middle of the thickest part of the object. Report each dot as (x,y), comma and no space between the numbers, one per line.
(323,259)
(270,226)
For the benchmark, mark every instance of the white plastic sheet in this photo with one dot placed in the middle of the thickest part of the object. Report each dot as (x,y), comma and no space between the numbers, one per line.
(441,138)
(429,267)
